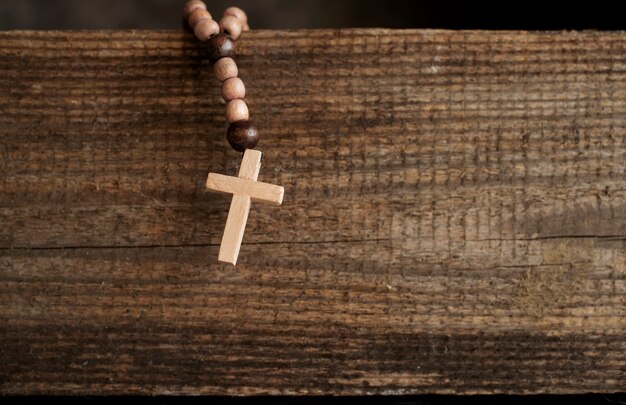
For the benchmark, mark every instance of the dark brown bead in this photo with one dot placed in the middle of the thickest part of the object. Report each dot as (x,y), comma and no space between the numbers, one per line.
(242,135)
(221,46)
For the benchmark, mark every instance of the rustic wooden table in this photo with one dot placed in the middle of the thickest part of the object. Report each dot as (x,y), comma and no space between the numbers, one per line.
(454,217)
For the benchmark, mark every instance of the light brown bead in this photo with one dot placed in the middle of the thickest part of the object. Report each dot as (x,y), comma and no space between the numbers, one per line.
(236,12)
(191,5)
(232,26)
(225,68)
(196,16)
(236,110)
(233,88)
(205,28)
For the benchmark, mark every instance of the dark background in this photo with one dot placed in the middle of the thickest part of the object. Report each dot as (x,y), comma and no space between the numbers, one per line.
(284,14)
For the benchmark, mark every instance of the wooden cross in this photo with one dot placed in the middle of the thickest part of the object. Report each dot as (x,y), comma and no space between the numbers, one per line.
(244,189)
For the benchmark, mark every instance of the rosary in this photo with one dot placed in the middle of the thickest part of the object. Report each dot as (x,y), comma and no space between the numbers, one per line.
(242,135)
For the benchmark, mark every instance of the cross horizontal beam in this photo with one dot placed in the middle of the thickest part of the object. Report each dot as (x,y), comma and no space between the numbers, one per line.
(258,191)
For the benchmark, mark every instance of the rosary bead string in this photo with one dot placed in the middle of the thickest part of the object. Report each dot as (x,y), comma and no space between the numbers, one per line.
(221,38)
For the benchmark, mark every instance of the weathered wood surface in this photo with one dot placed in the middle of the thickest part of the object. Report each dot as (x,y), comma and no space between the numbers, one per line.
(454,217)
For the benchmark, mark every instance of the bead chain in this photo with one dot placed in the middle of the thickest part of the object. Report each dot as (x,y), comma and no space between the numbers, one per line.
(221,42)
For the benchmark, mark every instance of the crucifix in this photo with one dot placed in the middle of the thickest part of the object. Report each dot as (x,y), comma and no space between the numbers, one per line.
(244,189)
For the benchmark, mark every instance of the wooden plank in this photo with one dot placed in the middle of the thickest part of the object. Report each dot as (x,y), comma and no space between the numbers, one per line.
(456,219)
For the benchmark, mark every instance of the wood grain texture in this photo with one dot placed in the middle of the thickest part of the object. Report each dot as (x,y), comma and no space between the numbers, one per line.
(455,220)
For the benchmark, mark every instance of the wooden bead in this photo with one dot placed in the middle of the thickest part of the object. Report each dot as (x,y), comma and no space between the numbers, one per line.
(242,135)
(221,46)
(236,12)
(236,110)
(196,16)
(191,5)
(225,68)
(204,29)
(233,88)
(232,26)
